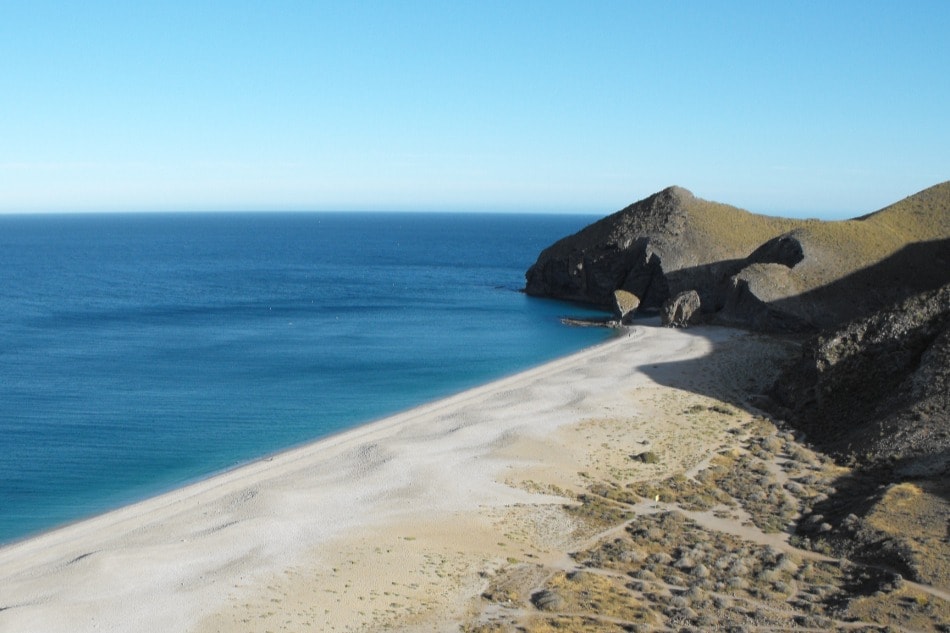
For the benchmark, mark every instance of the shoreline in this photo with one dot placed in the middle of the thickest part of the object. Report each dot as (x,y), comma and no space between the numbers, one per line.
(306,447)
(436,480)
(174,489)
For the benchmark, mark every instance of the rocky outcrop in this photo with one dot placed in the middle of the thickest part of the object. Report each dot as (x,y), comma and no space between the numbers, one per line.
(650,249)
(681,310)
(875,394)
(877,390)
(754,271)
(625,305)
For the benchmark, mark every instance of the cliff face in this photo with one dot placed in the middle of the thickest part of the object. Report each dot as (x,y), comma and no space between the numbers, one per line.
(878,388)
(749,270)
(875,394)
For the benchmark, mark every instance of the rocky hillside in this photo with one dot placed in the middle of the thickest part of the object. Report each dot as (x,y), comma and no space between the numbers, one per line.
(877,390)
(750,270)
(872,390)
(875,394)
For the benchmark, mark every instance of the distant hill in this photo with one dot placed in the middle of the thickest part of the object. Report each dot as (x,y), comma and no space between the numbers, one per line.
(751,270)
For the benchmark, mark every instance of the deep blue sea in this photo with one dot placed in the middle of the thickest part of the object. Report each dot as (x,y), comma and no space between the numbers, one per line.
(139,352)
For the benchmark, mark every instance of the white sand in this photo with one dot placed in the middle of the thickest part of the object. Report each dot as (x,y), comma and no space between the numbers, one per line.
(388,524)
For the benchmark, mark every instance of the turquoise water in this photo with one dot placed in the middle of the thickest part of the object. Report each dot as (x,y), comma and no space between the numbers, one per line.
(142,351)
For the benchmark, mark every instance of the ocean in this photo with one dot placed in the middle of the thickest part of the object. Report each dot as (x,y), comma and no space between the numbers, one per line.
(140,352)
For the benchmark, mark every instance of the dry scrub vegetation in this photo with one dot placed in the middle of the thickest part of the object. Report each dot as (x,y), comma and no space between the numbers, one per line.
(710,549)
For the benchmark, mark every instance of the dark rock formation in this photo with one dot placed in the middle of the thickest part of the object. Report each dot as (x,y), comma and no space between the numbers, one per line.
(754,271)
(877,390)
(875,394)
(785,250)
(873,390)
(681,310)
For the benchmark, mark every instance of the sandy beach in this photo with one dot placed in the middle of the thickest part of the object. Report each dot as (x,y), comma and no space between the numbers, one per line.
(410,522)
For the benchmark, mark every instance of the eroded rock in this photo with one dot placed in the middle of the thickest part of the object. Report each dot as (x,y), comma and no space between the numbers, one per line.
(681,310)
(625,305)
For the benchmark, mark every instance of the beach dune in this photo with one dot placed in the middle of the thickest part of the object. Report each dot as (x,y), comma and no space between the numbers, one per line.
(393,524)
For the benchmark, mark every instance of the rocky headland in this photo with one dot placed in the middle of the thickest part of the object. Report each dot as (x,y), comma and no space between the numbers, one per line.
(750,270)
(853,434)
(871,385)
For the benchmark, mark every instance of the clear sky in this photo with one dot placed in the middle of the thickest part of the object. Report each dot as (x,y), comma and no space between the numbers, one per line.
(825,109)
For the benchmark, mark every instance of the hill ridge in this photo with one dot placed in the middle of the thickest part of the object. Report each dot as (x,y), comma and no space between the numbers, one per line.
(674,241)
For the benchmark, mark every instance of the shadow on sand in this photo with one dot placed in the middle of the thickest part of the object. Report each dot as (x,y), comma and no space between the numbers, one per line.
(855,494)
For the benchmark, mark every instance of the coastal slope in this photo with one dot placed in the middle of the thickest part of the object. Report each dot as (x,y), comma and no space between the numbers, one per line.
(869,389)
(875,394)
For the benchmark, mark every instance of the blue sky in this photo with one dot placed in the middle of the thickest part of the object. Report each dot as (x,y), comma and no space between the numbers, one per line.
(824,109)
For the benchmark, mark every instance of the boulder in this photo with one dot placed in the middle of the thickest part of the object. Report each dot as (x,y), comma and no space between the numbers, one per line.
(547,600)
(625,305)
(681,310)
